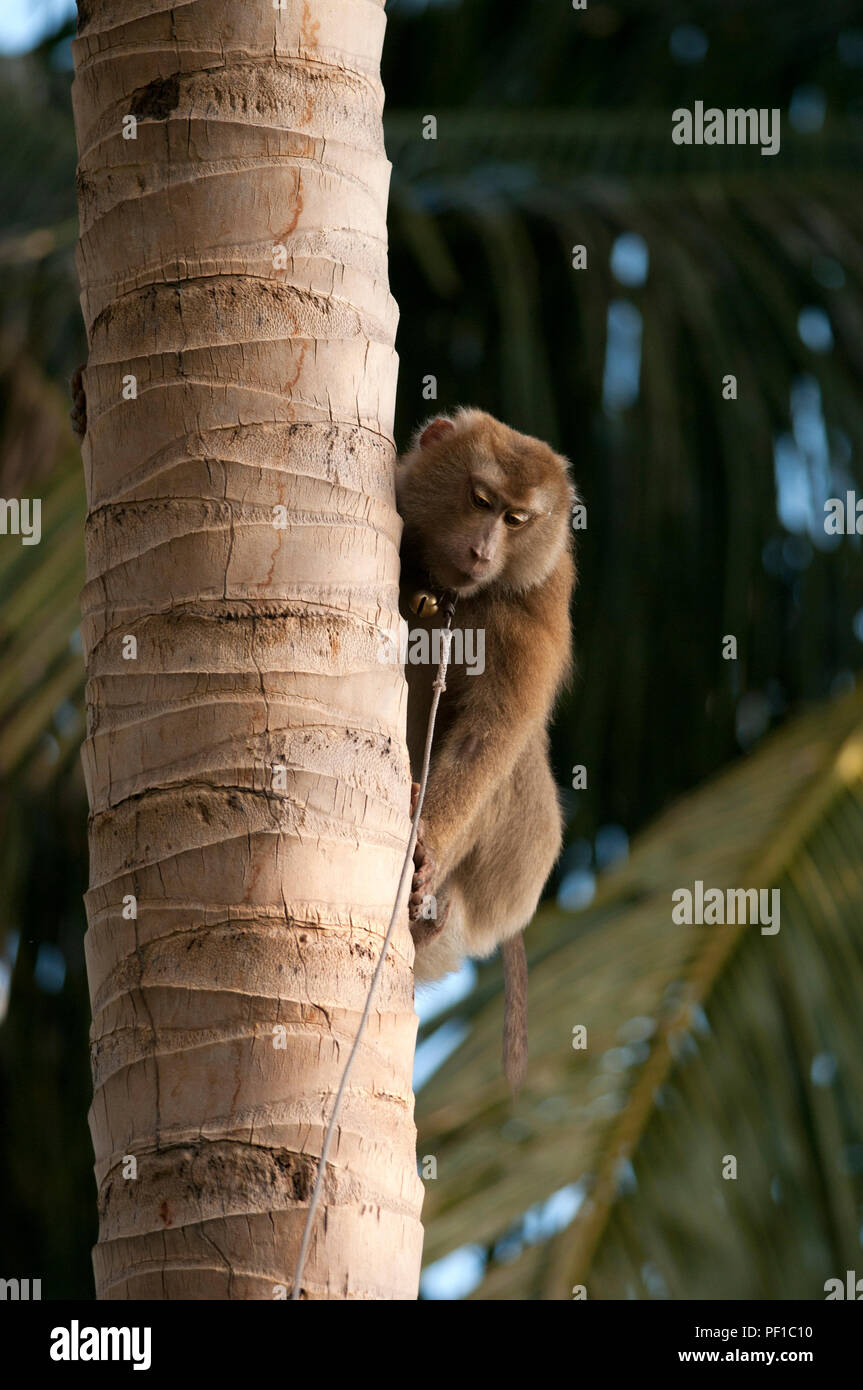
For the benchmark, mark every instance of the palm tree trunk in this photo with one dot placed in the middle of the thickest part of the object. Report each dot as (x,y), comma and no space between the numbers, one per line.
(245,759)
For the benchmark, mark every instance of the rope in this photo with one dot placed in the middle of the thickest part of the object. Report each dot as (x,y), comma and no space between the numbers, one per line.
(447,609)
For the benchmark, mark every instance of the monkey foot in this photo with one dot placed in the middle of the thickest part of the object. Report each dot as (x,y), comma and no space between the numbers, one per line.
(425,931)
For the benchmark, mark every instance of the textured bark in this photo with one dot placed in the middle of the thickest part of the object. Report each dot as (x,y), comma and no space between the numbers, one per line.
(258,904)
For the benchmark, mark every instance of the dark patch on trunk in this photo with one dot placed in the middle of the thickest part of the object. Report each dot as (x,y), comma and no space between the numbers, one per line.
(85,13)
(299,1171)
(78,413)
(158,99)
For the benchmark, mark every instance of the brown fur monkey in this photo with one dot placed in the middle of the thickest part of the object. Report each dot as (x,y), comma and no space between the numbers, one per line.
(487,513)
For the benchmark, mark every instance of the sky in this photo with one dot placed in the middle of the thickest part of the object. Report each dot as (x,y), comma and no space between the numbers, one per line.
(24,22)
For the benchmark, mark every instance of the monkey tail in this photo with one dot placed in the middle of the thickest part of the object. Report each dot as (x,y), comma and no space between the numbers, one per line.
(515,1011)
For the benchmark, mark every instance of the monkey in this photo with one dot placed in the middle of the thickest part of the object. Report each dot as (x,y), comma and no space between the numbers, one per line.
(486,516)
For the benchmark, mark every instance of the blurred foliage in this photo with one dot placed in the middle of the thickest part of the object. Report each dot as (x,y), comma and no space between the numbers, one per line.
(553,131)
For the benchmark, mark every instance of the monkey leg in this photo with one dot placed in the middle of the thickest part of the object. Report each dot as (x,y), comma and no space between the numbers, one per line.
(425,931)
(517,843)
(492,893)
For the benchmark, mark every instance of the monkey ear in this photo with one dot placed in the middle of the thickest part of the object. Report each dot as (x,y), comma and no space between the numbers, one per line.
(436,430)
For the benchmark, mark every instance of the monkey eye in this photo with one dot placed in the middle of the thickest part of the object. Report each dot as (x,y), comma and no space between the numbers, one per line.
(515,519)
(479,500)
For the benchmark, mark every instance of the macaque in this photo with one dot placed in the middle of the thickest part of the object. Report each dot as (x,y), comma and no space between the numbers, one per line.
(487,515)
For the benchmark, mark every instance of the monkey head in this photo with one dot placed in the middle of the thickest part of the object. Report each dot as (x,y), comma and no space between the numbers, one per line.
(484,506)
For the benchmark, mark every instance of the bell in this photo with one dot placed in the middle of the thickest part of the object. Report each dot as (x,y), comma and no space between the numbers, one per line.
(424,604)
